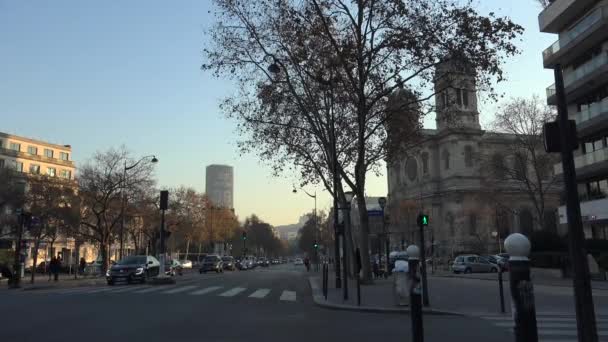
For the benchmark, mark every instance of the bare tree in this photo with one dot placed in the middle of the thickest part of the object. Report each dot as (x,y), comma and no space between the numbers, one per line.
(100,184)
(523,166)
(333,65)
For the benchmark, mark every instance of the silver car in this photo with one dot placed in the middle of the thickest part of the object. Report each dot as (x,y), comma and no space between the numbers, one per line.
(473,264)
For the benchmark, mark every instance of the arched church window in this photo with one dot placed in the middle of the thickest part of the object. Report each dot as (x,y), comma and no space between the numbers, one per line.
(468,156)
(446,159)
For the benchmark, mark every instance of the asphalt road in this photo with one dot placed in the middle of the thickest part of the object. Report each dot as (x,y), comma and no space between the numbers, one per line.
(265,304)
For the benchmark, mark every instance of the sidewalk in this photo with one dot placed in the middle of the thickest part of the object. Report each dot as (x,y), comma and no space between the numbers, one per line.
(537,279)
(42,282)
(376,297)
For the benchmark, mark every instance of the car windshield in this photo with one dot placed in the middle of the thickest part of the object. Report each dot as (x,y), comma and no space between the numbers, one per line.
(211,259)
(133,260)
(227,259)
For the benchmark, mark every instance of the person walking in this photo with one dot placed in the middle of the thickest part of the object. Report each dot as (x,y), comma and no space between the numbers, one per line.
(83,265)
(307,263)
(55,268)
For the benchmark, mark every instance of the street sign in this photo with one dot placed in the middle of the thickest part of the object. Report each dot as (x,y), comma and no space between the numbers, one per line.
(374,213)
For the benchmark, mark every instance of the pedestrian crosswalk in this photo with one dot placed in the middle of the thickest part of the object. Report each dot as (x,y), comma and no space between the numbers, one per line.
(553,326)
(193,290)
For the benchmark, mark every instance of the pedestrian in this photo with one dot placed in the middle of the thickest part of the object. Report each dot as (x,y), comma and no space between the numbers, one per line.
(55,268)
(83,264)
(376,268)
(307,263)
(5,271)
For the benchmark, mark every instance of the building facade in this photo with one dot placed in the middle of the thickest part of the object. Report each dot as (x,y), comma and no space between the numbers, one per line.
(219,185)
(582,52)
(447,176)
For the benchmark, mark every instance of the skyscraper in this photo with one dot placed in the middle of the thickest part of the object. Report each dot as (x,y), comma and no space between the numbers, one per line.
(219,185)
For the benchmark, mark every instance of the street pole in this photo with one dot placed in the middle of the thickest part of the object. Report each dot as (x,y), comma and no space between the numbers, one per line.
(425,287)
(122,211)
(345,249)
(583,299)
(415,298)
(335,186)
(522,293)
(162,243)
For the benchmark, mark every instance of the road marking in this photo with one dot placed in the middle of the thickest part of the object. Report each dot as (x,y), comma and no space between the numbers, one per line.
(541,319)
(543,324)
(233,292)
(542,332)
(261,293)
(150,289)
(288,296)
(125,289)
(180,289)
(205,290)
(99,290)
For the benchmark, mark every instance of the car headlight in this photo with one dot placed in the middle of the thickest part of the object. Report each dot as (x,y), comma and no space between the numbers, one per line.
(139,270)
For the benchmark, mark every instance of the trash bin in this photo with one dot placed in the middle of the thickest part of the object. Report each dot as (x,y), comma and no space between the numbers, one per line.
(401,283)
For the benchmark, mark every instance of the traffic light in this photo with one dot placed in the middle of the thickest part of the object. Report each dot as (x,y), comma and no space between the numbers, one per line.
(316,245)
(423,220)
(244,236)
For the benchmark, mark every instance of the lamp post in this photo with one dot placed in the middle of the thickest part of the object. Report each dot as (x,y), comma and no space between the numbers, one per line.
(382,203)
(348,196)
(124,198)
(317,235)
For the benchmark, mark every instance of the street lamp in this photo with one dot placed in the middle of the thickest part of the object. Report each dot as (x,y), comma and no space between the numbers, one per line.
(153,160)
(382,203)
(317,235)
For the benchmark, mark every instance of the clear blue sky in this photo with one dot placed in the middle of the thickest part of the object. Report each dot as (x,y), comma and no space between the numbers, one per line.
(98,74)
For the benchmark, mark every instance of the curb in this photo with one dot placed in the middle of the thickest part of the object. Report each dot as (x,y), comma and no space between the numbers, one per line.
(320,301)
(75,284)
(507,279)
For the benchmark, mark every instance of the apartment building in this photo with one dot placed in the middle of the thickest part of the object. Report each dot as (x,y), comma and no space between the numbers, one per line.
(36,157)
(582,51)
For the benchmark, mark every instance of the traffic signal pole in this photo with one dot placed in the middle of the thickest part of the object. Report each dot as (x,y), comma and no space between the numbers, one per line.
(583,299)
(423,221)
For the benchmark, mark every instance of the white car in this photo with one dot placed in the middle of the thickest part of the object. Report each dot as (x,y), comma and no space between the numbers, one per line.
(186,264)
(298,261)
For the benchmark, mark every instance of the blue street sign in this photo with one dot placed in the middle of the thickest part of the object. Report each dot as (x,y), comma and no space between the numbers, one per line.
(374,212)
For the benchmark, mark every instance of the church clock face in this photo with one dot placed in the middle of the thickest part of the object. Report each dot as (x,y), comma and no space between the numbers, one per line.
(411,168)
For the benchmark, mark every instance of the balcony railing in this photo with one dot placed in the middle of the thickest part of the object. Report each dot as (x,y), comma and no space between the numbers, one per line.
(586,160)
(576,31)
(591,111)
(551,90)
(586,69)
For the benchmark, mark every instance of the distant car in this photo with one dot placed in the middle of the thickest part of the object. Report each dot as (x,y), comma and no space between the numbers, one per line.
(263,262)
(473,264)
(173,268)
(228,263)
(186,264)
(133,268)
(212,263)
(298,261)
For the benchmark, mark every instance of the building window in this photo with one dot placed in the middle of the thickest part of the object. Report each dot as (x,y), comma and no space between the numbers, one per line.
(445,99)
(472,224)
(446,159)
(15,146)
(34,169)
(33,150)
(520,165)
(468,156)
(48,153)
(66,174)
(498,166)
(51,171)
(425,163)
(462,98)
(64,156)
(19,166)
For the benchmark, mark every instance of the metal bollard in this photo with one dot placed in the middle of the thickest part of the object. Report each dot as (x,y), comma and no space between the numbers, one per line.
(522,293)
(415,294)
(501,290)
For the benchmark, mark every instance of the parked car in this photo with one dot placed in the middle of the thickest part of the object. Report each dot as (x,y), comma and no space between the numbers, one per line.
(473,264)
(298,261)
(212,263)
(186,264)
(228,263)
(133,268)
(173,268)
(263,262)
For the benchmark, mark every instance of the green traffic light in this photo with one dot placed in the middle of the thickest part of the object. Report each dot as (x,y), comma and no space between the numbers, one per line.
(425,220)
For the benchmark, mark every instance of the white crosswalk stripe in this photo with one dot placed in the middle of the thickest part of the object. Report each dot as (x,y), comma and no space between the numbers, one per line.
(124,289)
(553,326)
(205,290)
(150,289)
(261,293)
(180,289)
(288,296)
(233,292)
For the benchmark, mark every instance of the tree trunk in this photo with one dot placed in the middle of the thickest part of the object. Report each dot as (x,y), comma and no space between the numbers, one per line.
(46,264)
(200,249)
(364,238)
(187,249)
(103,250)
(36,246)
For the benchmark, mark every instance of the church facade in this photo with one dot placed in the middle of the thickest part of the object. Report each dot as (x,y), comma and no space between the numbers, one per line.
(447,177)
